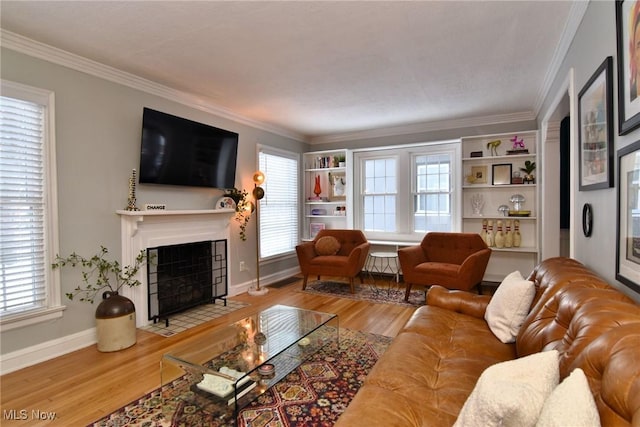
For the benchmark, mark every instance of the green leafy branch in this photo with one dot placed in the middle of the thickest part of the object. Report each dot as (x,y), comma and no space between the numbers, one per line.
(99,273)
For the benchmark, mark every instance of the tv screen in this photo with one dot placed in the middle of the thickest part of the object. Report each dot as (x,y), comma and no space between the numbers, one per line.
(177,151)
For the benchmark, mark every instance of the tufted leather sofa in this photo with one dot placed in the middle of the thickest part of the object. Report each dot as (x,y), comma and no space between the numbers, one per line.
(347,262)
(431,367)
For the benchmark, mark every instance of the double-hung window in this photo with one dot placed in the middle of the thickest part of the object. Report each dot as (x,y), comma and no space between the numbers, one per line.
(280,208)
(401,193)
(29,289)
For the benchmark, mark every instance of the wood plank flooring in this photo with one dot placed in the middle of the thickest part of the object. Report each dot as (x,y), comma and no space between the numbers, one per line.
(85,385)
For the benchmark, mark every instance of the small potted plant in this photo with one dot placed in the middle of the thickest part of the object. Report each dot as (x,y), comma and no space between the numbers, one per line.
(339,160)
(528,169)
(115,315)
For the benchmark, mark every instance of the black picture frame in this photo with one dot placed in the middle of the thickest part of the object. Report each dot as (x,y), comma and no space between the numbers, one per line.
(628,88)
(628,217)
(595,124)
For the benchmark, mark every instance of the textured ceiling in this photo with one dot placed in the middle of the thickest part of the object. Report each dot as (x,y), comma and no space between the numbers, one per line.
(318,68)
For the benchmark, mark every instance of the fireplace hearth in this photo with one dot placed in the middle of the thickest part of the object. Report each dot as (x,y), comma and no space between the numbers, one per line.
(185,275)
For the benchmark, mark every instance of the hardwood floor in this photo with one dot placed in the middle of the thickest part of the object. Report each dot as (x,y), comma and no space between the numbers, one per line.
(85,385)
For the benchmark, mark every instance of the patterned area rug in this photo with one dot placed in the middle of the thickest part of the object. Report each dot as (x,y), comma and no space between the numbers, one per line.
(314,394)
(385,293)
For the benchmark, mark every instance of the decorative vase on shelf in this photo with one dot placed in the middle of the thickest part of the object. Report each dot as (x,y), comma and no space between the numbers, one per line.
(317,189)
(477,203)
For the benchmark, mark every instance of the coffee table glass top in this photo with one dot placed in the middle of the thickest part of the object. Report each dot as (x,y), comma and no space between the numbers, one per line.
(259,350)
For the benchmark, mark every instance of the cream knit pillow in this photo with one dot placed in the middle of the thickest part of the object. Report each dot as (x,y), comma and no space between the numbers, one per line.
(511,393)
(509,307)
(570,404)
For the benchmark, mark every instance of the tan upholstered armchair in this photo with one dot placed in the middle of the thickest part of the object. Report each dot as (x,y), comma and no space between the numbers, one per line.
(452,260)
(334,253)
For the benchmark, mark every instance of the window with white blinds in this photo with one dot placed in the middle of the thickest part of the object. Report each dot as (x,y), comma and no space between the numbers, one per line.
(26,283)
(279,209)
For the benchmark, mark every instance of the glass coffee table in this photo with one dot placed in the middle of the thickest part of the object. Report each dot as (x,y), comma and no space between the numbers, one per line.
(220,373)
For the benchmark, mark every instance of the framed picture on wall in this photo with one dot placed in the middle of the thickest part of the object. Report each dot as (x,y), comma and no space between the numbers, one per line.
(314,229)
(595,122)
(628,220)
(627,31)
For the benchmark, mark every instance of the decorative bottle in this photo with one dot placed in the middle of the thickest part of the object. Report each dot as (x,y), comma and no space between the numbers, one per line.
(517,238)
(499,237)
(508,235)
(317,189)
(483,232)
(490,239)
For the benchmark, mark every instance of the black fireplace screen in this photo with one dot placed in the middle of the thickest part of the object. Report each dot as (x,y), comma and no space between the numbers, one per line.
(186,275)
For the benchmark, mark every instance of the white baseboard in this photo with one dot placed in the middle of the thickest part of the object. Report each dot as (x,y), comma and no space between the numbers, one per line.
(29,356)
(47,350)
(265,281)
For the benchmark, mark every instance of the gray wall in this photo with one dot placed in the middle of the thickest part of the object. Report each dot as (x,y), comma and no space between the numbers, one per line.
(594,41)
(98,131)
(98,128)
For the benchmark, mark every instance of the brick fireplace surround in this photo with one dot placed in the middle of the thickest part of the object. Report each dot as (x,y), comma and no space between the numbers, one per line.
(147,229)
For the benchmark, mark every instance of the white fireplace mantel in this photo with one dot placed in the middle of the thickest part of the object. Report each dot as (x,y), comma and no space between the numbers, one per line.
(148,229)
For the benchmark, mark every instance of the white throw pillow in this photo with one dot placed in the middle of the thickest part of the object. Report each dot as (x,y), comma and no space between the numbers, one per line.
(570,404)
(509,307)
(511,393)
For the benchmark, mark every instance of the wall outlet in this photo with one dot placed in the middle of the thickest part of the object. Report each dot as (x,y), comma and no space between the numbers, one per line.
(243,267)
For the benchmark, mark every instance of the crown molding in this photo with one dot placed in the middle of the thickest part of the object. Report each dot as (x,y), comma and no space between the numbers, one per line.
(578,9)
(61,57)
(424,127)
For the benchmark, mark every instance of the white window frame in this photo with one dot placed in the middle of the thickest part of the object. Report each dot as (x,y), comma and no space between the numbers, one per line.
(405,155)
(295,182)
(53,308)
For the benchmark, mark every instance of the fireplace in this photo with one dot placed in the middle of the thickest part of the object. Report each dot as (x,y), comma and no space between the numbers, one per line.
(142,230)
(186,275)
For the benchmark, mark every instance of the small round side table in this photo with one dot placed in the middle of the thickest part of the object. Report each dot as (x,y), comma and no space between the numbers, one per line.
(383,264)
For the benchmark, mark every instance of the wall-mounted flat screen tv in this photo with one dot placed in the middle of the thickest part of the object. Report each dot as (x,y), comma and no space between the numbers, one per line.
(178,151)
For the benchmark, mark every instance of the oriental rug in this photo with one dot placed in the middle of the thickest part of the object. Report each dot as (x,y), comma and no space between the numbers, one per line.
(384,293)
(314,394)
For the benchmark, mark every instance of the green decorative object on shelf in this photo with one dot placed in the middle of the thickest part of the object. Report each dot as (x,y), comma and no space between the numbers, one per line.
(528,169)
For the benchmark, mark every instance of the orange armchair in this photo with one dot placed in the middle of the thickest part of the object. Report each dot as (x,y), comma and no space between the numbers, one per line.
(452,260)
(334,253)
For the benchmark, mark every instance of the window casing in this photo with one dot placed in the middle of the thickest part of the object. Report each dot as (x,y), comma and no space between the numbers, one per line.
(401,193)
(280,208)
(29,288)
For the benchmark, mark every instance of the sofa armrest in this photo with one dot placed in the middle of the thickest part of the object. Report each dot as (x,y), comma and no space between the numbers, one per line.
(458,301)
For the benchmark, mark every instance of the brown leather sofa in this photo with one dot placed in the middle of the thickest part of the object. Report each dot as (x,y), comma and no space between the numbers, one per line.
(432,365)
(348,261)
(452,260)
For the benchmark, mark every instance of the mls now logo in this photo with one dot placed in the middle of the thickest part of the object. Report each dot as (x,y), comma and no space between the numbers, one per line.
(23,414)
